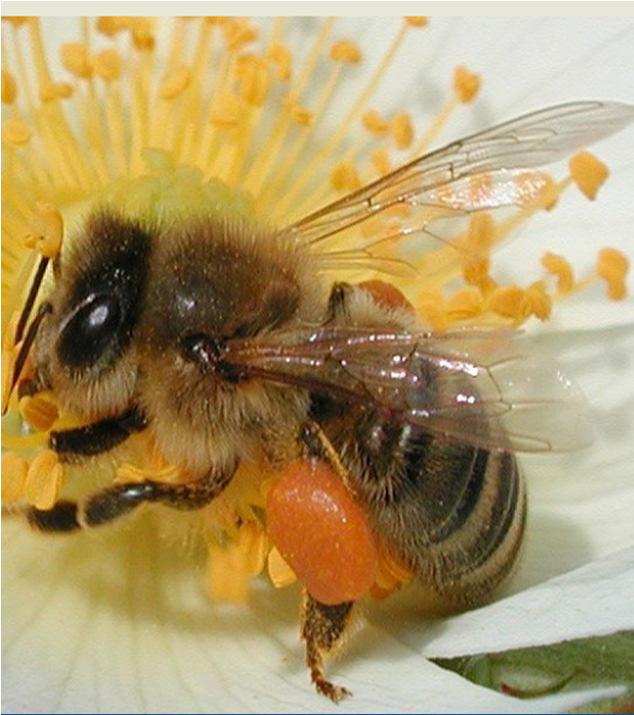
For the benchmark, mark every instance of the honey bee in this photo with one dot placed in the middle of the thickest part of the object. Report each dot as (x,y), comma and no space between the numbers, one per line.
(221,337)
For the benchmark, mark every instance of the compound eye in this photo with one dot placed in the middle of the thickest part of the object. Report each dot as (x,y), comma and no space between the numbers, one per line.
(90,330)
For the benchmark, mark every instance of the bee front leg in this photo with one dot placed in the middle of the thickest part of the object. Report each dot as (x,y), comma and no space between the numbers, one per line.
(323,628)
(120,499)
(96,438)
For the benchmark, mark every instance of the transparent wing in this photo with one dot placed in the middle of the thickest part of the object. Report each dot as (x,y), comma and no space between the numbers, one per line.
(479,387)
(447,179)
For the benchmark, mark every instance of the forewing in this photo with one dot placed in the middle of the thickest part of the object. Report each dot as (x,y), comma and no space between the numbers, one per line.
(498,157)
(476,386)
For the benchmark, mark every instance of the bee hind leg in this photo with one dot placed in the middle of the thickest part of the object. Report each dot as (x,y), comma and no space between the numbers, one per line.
(323,628)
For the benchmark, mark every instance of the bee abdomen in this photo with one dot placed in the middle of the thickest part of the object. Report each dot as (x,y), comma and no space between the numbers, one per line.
(454,513)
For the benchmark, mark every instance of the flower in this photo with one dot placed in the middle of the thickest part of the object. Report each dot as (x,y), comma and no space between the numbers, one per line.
(121,606)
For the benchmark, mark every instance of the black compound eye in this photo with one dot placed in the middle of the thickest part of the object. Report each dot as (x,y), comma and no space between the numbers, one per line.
(93,327)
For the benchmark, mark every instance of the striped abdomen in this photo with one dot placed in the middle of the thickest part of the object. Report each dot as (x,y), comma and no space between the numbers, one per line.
(454,513)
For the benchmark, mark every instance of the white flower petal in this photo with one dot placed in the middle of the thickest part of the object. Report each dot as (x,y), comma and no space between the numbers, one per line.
(593,600)
(114,625)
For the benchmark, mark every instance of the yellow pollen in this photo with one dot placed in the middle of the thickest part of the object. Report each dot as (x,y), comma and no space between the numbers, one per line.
(232,565)
(39,411)
(46,230)
(110,26)
(549,194)
(16,132)
(345,51)
(482,232)
(431,307)
(108,64)
(15,20)
(238,34)
(142,29)
(466,84)
(476,273)
(344,177)
(588,173)
(44,480)
(374,123)
(14,471)
(76,59)
(175,82)
(612,266)
(254,79)
(419,21)
(465,304)
(539,303)
(510,302)
(402,130)
(559,267)
(50,91)
(381,162)
(281,57)
(9,89)
(300,115)
(280,573)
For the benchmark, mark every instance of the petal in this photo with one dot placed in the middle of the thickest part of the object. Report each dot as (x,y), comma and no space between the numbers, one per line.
(592,600)
(118,624)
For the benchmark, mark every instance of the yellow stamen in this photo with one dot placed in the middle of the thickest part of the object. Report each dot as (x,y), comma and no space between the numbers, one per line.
(9,88)
(51,91)
(46,230)
(232,565)
(76,59)
(381,162)
(374,123)
(539,303)
(44,480)
(280,55)
(466,84)
(253,78)
(344,177)
(465,304)
(238,34)
(14,471)
(345,51)
(612,266)
(301,115)
(588,173)
(561,269)
(510,302)
(431,307)
(280,573)
(16,132)
(402,130)
(39,411)
(228,111)
(108,65)
(420,21)
(175,82)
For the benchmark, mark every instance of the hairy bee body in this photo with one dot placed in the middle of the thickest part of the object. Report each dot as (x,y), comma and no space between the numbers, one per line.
(451,512)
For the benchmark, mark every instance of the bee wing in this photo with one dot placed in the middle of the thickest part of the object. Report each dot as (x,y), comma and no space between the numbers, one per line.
(480,387)
(500,155)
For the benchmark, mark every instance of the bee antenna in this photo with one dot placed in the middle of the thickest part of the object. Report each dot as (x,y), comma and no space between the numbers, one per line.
(30,299)
(43,310)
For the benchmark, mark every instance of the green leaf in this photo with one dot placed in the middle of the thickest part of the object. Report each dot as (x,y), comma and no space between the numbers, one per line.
(573,665)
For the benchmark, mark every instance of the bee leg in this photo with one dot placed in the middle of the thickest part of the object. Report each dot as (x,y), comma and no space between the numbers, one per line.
(97,437)
(322,630)
(337,302)
(120,499)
